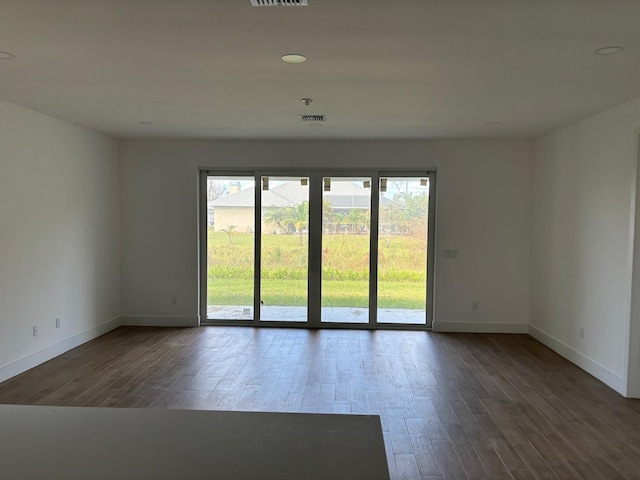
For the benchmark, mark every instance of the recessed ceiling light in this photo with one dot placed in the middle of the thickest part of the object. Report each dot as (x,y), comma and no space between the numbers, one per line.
(493,124)
(293,58)
(7,56)
(609,50)
(146,124)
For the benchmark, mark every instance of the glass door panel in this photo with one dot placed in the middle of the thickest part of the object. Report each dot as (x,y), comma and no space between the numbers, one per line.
(350,249)
(346,218)
(284,255)
(230,247)
(402,250)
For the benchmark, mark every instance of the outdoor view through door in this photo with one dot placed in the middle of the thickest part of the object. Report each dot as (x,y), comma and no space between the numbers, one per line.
(317,248)
(285,249)
(403,238)
(230,247)
(346,224)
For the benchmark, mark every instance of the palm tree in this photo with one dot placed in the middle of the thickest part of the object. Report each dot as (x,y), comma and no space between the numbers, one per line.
(298,217)
(276,216)
(357,218)
(414,208)
(340,219)
(229,230)
(327,214)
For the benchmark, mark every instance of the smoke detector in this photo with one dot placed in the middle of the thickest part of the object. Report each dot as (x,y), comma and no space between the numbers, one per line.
(306,101)
(313,118)
(280,3)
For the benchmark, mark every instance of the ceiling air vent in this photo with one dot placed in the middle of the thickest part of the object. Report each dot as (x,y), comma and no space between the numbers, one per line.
(313,118)
(280,3)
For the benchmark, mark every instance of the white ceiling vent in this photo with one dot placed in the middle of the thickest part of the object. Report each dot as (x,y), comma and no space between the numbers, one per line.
(280,3)
(313,118)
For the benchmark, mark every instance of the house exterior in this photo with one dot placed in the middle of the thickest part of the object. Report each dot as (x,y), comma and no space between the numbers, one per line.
(236,209)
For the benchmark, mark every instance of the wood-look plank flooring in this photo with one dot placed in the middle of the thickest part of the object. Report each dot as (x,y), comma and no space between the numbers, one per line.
(453,406)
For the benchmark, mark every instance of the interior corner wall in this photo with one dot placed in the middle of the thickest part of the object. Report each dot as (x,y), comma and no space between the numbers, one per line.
(59,246)
(584,215)
(633,364)
(483,211)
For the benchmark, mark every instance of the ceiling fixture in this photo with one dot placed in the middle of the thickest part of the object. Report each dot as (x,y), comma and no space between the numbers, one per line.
(609,50)
(146,124)
(306,101)
(7,56)
(280,3)
(313,118)
(294,58)
(493,124)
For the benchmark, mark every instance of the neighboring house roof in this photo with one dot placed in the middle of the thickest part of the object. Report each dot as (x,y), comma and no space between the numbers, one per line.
(342,195)
(242,198)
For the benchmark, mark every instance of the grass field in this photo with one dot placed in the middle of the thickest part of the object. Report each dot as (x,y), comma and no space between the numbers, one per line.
(345,270)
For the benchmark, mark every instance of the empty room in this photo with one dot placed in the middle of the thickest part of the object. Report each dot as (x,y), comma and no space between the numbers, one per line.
(320,239)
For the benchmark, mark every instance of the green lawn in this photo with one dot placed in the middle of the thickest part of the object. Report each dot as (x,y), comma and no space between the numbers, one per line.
(402,280)
(335,293)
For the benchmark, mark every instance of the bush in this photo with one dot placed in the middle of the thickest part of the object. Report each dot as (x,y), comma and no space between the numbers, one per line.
(240,273)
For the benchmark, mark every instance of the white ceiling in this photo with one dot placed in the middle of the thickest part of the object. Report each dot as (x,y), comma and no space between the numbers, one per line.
(377,69)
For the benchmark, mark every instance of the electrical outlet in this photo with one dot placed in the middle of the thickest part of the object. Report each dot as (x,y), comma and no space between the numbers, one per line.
(35,331)
(582,333)
(174,300)
(475,305)
(57,323)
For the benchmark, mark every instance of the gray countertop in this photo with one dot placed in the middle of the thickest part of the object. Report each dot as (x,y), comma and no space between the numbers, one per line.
(109,443)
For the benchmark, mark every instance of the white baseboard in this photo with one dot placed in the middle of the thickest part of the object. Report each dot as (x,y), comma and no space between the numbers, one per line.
(26,363)
(478,327)
(599,371)
(160,321)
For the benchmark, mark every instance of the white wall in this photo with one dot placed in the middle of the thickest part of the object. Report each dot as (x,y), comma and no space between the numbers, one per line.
(59,241)
(82,232)
(483,212)
(584,187)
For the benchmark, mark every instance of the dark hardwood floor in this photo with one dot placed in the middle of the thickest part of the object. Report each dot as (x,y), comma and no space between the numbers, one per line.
(454,406)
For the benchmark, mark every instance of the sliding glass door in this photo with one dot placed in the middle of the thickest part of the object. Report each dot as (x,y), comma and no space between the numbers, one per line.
(346,243)
(403,240)
(317,248)
(230,247)
(284,251)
